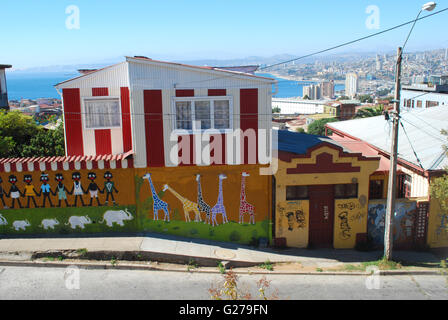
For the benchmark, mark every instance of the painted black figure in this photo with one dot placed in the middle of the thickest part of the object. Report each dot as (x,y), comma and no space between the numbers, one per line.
(77,189)
(2,193)
(109,187)
(14,192)
(45,189)
(61,190)
(29,190)
(93,188)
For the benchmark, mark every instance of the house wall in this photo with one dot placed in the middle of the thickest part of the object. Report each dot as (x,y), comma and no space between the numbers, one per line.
(437,225)
(168,80)
(112,81)
(350,215)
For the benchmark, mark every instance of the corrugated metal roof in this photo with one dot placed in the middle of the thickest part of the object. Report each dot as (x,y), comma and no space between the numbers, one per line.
(422,127)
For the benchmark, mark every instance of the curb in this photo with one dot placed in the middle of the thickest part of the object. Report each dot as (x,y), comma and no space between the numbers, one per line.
(149,267)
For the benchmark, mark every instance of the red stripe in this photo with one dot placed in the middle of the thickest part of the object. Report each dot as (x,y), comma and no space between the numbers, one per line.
(249,117)
(130,163)
(73,125)
(190,161)
(2,167)
(36,166)
(152,101)
(103,142)
(60,166)
(217,92)
(126,119)
(100,92)
(12,166)
(185,93)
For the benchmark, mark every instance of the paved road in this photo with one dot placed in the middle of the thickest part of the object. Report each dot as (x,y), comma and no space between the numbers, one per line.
(50,283)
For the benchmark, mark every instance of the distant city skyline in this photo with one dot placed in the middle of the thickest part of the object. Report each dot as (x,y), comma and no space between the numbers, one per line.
(35,33)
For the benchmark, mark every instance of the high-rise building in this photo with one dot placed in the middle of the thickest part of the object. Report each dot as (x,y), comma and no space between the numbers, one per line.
(378,66)
(351,85)
(3,87)
(313,92)
(327,89)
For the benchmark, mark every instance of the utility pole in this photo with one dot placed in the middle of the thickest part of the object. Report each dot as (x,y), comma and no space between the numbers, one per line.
(391,190)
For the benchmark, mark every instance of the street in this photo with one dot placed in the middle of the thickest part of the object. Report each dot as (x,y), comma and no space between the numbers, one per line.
(59,283)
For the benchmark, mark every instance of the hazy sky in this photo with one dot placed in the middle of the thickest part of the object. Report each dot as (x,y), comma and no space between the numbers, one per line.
(34,33)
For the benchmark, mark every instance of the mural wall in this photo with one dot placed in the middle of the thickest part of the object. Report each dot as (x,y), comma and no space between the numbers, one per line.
(350,218)
(292,222)
(222,203)
(404,222)
(437,225)
(67,201)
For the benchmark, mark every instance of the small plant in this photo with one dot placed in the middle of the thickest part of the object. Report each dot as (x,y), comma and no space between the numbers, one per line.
(319,270)
(229,290)
(267,265)
(221,268)
(113,261)
(82,252)
(383,264)
(60,258)
(192,265)
(48,259)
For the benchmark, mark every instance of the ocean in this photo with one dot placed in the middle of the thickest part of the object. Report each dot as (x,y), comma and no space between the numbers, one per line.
(41,85)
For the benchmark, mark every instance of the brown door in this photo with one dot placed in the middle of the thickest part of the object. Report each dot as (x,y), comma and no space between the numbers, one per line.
(321,216)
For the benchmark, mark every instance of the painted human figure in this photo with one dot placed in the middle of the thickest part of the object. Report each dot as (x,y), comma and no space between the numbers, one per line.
(14,192)
(109,187)
(61,190)
(29,190)
(45,190)
(77,189)
(93,188)
(2,194)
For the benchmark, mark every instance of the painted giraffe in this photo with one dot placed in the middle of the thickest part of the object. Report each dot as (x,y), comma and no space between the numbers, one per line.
(245,207)
(202,206)
(158,204)
(188,205)
(219,206)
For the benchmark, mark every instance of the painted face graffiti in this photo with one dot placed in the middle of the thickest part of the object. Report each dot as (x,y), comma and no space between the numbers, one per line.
(345,233)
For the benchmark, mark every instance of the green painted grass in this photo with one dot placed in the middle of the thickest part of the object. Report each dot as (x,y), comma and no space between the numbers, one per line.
(36,215)
(228,232)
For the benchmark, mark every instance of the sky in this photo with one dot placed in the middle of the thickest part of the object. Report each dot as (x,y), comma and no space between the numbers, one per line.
(41,33)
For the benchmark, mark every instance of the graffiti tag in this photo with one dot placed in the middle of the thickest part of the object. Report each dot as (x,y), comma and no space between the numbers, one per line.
(344,225)
(348,206)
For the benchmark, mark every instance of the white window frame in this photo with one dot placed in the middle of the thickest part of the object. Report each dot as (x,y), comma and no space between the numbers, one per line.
(193,114)
(84,111)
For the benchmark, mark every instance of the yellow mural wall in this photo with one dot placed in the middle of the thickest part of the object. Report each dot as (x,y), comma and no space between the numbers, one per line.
(122,179)
(437,234)
(356,208)
(183,181)
(292,222)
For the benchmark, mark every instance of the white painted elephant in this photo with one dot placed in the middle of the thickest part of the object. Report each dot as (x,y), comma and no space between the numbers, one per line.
(3,221)
(78,221)
(20,225)
(117,216)
(49,223)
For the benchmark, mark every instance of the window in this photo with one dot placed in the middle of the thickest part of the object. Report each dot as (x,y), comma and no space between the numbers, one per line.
(419,103)
(296,192)
(404,186)
(208,113)
(430,104)
(344,191)
(102,113)
(376,189)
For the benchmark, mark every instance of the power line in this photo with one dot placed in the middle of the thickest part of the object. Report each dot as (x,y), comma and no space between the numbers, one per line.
(412,147)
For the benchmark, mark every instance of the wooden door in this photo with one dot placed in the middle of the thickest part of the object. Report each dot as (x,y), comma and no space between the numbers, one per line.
(321,216)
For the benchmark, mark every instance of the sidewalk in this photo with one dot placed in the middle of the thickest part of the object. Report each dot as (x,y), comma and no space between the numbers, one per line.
(156,247)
